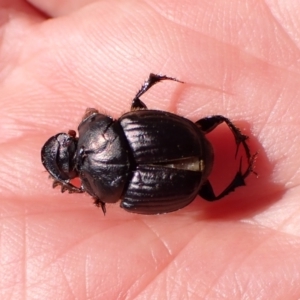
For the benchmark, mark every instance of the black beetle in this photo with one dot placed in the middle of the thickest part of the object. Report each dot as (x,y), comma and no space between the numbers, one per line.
(155,161)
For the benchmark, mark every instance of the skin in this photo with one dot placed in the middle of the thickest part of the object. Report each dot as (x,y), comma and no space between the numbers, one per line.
(237,58)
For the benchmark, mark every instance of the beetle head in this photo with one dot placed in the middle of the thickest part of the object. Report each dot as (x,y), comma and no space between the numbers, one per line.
(58,157)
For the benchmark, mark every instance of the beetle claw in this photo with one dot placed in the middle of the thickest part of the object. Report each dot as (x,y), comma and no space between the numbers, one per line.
(240,140)
(55,184)
(64,188)
(67,187)
(250,168)
(101,204)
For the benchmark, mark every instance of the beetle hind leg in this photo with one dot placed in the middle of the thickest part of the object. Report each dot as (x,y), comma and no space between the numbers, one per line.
(206,191)
(153,79)
(207,125)
(210,123)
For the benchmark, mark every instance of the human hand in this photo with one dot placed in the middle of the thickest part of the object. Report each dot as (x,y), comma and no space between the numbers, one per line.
(238,59)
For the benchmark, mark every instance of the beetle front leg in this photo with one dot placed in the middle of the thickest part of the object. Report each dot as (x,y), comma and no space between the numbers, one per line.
(66,186)
(153,79)
(101,204)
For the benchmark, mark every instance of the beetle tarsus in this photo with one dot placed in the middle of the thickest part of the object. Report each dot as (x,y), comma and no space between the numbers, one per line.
(241,139)
(64,188)
(138,104)
(250,168)
(101,204)
(67,187)
(55,183)
(153,79)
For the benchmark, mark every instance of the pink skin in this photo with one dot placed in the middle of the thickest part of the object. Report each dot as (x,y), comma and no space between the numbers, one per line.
(239,59)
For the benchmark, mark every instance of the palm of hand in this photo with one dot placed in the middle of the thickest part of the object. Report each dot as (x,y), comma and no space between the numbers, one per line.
(55,246)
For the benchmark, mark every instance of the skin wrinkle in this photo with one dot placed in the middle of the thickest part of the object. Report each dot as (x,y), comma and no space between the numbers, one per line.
(246,257)
(72,292)
(254,222)
(275,105)
(6,184)
(160,12)
(249,15)
(64,69)
(270,115)
(187,289)
(290,185)
(18,50)
(280,26)
(281,226)
(269,236)
(186,286)
(73,246)
(163,267)
(214,283)
(240,287)
(42,213)
(280,16)
(25,239)
(268,65)
(150,280)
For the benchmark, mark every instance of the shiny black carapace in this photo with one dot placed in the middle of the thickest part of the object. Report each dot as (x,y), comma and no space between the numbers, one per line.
(154,161)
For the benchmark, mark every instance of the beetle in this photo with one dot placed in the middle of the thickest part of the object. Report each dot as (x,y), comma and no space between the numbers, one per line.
(154,161)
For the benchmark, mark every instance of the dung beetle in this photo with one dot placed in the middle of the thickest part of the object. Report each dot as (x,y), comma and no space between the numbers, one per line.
(154,161)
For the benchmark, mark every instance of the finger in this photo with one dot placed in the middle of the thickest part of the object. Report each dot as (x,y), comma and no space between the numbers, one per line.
(17,18)
(57,7)
(18,9)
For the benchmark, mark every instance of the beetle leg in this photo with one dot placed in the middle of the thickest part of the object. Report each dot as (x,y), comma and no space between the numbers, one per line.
(137,104)
(153,79)
(206,191)
(207,125)
(66,186)
(101,204)
(210,123)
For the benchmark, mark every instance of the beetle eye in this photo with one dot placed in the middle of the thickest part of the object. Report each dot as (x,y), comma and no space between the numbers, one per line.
(72,133)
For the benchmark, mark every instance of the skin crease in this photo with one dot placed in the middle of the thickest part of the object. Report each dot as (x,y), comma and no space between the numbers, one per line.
(239,59)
